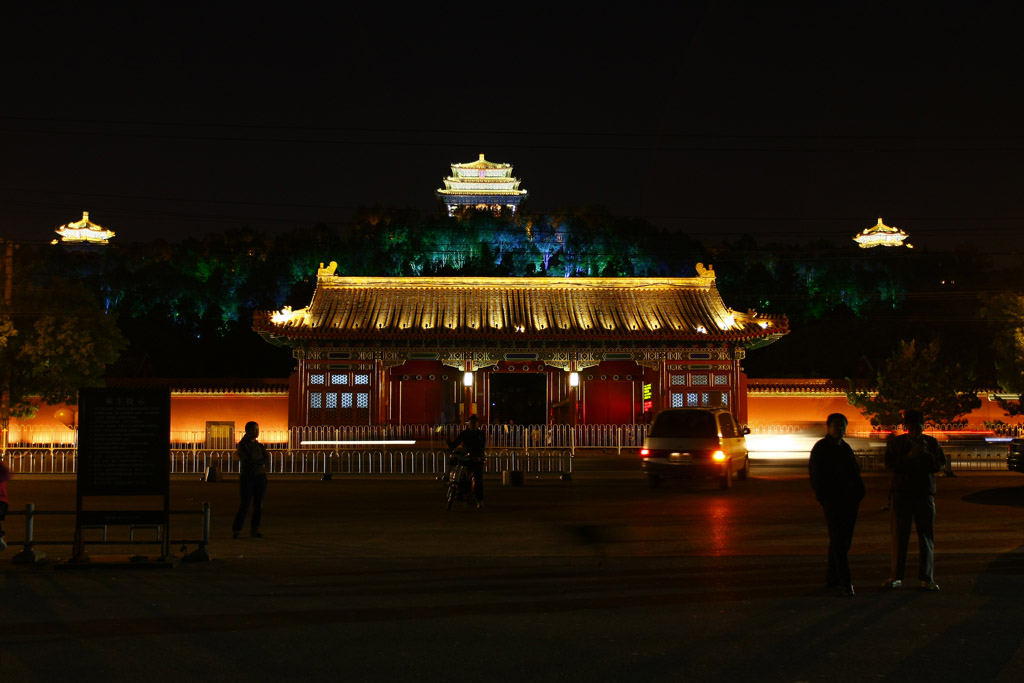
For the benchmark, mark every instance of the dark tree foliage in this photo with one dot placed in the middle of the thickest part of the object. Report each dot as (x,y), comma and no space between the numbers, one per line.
(55,337)
(920,378)
(187,308)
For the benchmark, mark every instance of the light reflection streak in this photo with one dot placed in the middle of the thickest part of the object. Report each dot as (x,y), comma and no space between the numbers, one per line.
(720,525)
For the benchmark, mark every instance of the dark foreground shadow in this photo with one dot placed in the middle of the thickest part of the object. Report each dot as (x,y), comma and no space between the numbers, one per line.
(1011,496)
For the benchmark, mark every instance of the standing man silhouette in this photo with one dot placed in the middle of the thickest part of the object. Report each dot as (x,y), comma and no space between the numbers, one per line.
(253,461)
(913,458)
(835,478)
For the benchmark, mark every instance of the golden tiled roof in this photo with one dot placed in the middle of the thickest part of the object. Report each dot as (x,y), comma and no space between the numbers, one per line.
(533,309)
(483,191)
(84,231)
(799,387)
(240,386)
(881,235)
(480,163)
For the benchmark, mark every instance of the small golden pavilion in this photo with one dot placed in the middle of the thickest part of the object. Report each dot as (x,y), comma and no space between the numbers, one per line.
(882,235)
(530,350)
(83,232)
(481,184)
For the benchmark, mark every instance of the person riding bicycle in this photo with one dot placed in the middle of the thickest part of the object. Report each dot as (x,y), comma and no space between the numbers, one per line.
(474,440)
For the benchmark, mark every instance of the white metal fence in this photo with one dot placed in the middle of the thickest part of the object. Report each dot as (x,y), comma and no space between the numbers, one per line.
(498,435)
(312,461)
(534,448)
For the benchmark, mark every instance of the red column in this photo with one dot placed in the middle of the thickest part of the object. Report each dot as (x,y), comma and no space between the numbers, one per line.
(381,399)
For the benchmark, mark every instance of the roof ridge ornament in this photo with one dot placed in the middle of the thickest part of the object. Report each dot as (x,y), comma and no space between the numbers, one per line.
(286,315)
(706,273)
(328,271)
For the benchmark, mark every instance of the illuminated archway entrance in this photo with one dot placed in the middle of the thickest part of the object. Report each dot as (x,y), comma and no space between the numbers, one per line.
(520,398)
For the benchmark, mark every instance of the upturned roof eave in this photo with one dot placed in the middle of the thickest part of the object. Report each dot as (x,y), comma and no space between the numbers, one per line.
(282,337)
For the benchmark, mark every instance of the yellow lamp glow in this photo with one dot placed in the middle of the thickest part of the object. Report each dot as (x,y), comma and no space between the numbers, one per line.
(574,379)
(467,379)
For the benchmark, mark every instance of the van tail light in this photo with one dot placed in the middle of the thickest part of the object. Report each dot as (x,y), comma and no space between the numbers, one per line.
(644,452)
(719,456)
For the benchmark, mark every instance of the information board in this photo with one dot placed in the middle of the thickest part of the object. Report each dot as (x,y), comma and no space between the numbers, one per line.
(124,442)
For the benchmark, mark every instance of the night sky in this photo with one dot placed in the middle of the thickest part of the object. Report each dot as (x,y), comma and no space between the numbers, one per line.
(787,121)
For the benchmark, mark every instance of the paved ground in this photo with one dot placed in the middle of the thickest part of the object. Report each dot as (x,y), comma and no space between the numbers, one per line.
(597,579)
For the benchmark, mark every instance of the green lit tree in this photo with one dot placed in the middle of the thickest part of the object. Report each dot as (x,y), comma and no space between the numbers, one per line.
(1004,313)
(54,340)
(918,378)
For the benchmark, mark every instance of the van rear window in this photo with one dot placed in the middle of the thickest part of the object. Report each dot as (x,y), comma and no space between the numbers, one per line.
(684,424)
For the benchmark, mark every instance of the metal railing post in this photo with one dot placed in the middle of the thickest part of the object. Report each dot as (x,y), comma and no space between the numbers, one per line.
(29,554)
(202,553)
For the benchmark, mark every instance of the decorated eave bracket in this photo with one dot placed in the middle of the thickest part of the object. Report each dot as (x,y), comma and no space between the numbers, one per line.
(479,360)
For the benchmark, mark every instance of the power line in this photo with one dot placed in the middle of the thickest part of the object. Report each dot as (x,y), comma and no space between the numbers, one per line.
(573,132)
(682,142)
(754,221)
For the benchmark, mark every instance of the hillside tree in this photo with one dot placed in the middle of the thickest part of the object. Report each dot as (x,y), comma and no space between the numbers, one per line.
(919,378)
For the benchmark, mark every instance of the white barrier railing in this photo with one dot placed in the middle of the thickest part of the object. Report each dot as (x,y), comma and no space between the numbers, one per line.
(498,436)
(189,452)
(383,461)
(314,461)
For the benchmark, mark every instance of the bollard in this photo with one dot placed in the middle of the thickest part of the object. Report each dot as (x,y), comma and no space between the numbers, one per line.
(202,553)
(512,478)
(213,472)
(29,555)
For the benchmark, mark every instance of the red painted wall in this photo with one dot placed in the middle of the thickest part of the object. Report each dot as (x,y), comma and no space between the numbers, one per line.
(791,410)
(604,402)
(767,411)
(189,415)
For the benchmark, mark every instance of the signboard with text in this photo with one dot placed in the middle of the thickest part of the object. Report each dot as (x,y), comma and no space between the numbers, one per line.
(124,442)
(648,397)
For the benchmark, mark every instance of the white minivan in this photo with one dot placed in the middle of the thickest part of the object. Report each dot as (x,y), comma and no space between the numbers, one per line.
(696,443)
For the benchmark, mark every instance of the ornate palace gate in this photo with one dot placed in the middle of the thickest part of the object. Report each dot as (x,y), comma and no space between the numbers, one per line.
(431,350)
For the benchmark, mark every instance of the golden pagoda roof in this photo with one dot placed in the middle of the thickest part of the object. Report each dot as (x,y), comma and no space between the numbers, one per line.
(84,231)
(513,309)
(484,190)
(481,163)
(479,180)
(475,181)
(881,235)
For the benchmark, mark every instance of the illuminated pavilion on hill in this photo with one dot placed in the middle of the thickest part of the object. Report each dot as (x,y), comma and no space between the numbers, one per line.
(882,235)
(83,232)
(481,184)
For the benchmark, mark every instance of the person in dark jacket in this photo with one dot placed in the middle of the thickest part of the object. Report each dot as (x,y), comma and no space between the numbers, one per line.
(474,440)
(835,478)
(253,461)
(913,458)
